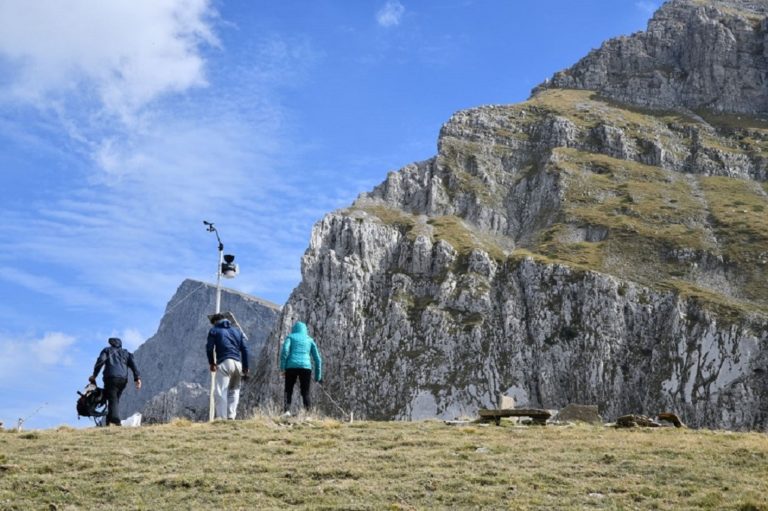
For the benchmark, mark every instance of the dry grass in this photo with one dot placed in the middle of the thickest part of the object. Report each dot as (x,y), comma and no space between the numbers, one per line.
(324,464)
(733,134)
(650,212)
(587,109)
(451,229)
(631,197)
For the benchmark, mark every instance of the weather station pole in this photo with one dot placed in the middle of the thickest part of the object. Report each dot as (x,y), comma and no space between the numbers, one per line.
(228,269)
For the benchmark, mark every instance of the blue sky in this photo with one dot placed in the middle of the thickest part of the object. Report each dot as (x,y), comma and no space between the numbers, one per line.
(125,124)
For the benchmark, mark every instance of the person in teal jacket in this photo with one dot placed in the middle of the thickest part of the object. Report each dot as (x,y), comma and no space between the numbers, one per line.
(296,356)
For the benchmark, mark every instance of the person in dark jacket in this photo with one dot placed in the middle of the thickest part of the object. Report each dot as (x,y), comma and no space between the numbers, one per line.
(298,353)
(230,365)
(116,361)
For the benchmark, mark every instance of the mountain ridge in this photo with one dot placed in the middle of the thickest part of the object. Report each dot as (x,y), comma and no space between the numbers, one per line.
(573,248)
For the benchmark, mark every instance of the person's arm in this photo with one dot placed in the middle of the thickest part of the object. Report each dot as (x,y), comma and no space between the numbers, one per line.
(98,365)
(318,362)
(284,352)
(244,354)
(135,370)
(209,349)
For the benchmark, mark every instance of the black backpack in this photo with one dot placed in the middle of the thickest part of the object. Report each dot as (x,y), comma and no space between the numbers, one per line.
(92,403)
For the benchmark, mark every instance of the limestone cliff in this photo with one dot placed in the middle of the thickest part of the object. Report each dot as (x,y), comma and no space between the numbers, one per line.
(696,54)
(580,247)
(172,362)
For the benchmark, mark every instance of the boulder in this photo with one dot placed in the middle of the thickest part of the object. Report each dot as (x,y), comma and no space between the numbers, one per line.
(579,413)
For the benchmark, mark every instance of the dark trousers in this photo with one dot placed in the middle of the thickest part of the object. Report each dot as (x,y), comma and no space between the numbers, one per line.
(113,388)
(305,377)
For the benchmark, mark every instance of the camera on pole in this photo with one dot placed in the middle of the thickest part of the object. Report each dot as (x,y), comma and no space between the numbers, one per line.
(228,268)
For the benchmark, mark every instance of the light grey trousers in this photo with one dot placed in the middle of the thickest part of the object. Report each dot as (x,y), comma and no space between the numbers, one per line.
(227,388)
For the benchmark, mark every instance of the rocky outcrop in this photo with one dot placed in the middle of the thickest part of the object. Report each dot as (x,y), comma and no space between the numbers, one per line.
(183,401)
(695,54)
(569,249)
(172,362)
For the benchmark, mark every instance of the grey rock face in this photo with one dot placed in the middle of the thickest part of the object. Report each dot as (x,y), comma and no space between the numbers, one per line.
(695,54)
(183,401)
(565,250)
(441,336)
(173,363)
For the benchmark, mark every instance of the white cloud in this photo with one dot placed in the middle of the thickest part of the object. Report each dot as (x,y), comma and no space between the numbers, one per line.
(390,14)
(647,6)
(131,338)
(53,349)
(117,236)
(39,377)
(123,53)
(128,225)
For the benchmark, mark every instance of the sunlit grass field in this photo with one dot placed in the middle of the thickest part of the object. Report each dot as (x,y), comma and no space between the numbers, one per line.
(306,463)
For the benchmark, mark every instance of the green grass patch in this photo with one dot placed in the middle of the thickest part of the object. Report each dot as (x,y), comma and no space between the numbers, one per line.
(389,215)
(587,109)
(451,229)
(631,197)
(649,213)
(734,134)
(737,209)
(462,238)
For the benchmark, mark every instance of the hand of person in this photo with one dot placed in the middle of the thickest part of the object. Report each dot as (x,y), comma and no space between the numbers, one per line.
(213,368)
(320,381)
(282,374)
(92,379)
(138,384)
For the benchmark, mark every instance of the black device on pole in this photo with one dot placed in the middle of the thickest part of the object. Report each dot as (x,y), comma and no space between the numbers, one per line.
(228,268)
(212,228)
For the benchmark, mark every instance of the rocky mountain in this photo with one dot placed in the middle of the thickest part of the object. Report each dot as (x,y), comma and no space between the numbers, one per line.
(173,365)
(696,54)
(604,242)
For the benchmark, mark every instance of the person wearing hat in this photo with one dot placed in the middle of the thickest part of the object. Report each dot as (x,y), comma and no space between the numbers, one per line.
(116,361)
(227,343)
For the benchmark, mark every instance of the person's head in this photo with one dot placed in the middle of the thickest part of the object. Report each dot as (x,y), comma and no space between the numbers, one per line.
(216,318)
(115,342)
(299,328)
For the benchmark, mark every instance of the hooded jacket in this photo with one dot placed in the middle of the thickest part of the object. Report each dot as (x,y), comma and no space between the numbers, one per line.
(116,361)
(297,349)
(228,342)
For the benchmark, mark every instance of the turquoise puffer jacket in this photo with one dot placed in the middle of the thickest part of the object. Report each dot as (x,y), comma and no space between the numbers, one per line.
(297,349)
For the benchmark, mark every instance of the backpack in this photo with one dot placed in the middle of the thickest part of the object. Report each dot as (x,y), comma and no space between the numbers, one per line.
(92,403)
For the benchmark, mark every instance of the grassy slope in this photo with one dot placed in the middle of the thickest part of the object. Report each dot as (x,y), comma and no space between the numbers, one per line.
(266,464)
(650,211)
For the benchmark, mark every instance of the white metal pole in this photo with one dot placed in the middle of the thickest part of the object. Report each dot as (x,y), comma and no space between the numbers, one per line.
(218,281)
(211,401)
